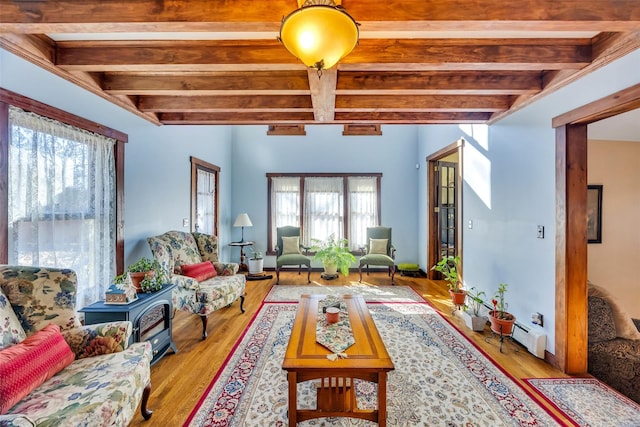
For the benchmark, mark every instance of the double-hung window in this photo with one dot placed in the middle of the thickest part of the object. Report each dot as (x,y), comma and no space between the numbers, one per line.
(343,205)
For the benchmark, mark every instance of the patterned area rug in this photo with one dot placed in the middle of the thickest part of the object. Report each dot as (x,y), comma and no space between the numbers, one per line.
(371,293)
(440,379)
(588,401)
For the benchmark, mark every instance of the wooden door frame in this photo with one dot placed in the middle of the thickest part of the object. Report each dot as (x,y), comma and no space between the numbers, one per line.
(433,250)
(571,235)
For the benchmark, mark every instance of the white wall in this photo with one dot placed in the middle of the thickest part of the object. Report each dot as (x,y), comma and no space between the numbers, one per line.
(324,149)
(614,263)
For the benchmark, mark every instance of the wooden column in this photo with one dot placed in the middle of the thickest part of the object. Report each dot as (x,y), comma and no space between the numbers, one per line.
(571,248)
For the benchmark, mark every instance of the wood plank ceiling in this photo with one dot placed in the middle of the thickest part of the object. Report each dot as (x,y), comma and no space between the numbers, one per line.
(418,61)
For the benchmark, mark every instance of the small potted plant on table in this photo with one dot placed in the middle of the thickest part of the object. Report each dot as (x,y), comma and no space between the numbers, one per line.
(448,267)
(501,320)
(146,275)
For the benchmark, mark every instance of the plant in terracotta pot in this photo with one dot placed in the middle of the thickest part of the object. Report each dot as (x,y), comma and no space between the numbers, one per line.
(448,267)
(334,254)
(472,307)
(146,275)
(501,320)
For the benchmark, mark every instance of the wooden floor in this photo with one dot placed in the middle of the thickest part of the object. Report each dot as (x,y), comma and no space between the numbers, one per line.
(179,380)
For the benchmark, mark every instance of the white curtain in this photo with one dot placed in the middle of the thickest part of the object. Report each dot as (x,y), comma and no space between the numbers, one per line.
(62,200)
(205,201)
(363,208)
(323,208)
(285,203)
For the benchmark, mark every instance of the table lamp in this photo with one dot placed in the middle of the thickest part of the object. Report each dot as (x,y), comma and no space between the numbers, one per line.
(242,220)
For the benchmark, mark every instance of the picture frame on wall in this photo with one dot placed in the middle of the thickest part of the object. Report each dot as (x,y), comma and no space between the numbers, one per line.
(594,213)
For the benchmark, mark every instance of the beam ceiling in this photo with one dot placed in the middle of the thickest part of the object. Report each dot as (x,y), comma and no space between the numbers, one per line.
(418,61)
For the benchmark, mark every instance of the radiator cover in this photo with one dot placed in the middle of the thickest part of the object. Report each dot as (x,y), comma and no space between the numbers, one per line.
(533,340)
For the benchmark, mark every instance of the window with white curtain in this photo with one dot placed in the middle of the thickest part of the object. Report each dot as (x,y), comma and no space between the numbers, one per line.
(61,200)
(324,204)
(204,196)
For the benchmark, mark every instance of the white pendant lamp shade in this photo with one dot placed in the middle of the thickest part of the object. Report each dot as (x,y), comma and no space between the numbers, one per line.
(319,35)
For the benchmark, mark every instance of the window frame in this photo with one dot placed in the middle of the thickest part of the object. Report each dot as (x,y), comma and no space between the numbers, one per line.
(345,193)
(196,165)
(8,98)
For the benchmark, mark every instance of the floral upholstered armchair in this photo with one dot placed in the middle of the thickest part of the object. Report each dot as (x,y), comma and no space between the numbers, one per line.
(57,372)
(203,283)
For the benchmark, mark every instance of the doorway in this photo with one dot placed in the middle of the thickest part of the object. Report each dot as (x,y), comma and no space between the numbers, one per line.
(445,204)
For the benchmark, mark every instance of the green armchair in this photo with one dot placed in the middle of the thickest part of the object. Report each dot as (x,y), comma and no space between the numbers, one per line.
(288,251)
(379,250)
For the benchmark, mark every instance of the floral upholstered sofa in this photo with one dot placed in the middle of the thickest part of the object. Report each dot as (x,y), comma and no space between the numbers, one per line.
(203,283)
(53,370)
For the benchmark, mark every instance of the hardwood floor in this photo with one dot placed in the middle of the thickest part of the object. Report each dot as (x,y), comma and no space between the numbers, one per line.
(179,380)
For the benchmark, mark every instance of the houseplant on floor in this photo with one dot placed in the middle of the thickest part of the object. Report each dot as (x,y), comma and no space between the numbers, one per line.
(146,275)
(472,308)
(501,320)
(334,254)
(448,267)
(256,262)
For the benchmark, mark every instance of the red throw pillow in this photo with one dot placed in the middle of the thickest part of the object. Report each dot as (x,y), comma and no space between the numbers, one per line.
(25,366)
(200,271)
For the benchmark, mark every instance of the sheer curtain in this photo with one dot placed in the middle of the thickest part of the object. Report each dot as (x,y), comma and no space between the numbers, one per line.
(363,210)
(285,203)
(62,200)
(323,208)
(205,201)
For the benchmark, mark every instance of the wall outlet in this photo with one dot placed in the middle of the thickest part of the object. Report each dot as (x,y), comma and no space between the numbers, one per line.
(540,232)
(185,222)
(536,319)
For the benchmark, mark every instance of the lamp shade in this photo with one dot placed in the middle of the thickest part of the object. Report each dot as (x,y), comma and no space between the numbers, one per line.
(242,220)
(319,35)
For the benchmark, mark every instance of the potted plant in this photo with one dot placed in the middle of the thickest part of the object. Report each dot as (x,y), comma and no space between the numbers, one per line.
(146,275)
(472,307)
(256,262)
(501,320)
(334,254)
(448,267)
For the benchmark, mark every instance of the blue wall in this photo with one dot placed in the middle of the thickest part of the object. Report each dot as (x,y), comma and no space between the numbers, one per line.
(324,149)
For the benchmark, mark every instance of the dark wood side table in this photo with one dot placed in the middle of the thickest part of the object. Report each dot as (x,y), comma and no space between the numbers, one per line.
(243,265)
(150,314)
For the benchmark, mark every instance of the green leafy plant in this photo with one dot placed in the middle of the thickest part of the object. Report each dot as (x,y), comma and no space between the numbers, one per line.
(475,299)
(333,251)
(499,304)
(255,255)
(154,278)
(448,267)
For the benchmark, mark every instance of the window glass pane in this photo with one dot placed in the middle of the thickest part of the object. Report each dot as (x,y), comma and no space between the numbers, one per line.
(323,208)
(205,201)
(363,208)
(285,203)
(61,197)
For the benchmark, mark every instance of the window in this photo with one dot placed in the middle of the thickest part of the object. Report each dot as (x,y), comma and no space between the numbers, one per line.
(324,204)
(61,200)
(204,197)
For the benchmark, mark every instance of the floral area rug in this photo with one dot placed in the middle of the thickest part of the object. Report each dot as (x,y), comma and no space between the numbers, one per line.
(440,378)
(370,293)
(588,401)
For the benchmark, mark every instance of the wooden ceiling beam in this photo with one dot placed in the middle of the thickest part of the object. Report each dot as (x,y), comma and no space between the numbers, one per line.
(290,103)
(409,54)
(438,82)
(233,83)
(422,103)
(250,15)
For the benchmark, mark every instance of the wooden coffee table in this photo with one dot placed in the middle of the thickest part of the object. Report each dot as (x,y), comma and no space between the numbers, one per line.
(306,360)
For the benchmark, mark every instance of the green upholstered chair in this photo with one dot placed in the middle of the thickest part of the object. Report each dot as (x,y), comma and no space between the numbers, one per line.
(288,251)
(378,251)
